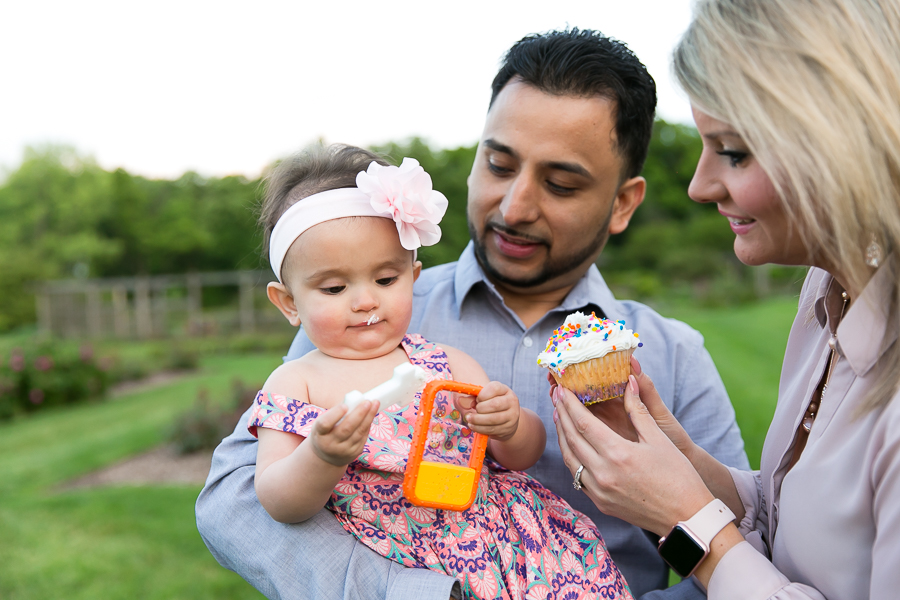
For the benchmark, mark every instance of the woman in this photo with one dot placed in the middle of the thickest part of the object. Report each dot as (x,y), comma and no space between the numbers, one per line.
(797,105)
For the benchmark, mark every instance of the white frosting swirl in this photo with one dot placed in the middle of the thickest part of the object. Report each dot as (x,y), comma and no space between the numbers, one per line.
(583,337)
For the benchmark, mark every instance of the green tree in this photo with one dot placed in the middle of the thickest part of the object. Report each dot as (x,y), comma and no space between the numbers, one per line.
(49,211)
(61,215)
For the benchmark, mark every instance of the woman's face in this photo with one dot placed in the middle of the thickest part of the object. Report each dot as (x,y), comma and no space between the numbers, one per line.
(730,176)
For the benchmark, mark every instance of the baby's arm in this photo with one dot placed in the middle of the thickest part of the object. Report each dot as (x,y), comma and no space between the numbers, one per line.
(294,479)
(517,434)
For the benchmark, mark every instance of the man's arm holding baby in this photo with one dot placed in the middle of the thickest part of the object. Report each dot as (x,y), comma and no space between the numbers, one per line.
(517,435)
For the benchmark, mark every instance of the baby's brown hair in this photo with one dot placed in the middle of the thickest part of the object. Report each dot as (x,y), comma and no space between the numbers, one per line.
(310,171)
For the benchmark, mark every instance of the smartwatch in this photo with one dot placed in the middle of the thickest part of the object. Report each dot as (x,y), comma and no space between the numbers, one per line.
(687,544)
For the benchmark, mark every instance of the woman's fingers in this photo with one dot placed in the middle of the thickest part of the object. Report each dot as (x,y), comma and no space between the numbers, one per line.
(650,397)
(578,452)
(584,435)
(644,423)
(647,482)
(642,482)
(612,413)
(661,413)
(635,365)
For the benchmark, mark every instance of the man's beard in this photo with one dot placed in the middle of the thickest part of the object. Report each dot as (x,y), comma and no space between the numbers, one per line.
(551,269)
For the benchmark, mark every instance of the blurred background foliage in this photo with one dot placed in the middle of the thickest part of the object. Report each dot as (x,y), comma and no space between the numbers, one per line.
(63,216)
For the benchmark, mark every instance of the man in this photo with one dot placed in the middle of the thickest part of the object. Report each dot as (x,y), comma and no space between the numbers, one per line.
(557,171)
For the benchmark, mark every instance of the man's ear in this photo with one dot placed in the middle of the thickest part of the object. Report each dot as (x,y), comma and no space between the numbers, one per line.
(629,197)
(281,297)
(417,269)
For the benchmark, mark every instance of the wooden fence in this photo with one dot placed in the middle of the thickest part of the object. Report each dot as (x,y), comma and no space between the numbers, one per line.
(157,306)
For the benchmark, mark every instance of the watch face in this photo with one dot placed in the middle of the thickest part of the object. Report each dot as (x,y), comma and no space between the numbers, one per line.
(682,552)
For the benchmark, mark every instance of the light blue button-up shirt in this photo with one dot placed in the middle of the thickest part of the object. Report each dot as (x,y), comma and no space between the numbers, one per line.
(456,305)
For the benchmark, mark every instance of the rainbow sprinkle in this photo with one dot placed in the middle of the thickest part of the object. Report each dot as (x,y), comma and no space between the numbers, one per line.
(561,338)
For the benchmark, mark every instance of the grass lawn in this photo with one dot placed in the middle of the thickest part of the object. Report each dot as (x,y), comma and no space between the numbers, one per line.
(141,542)
(110,543)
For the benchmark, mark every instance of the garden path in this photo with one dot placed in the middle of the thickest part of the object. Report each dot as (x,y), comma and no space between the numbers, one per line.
(160,466)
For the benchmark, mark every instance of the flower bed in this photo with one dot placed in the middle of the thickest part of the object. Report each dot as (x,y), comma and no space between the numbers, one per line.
(42,376)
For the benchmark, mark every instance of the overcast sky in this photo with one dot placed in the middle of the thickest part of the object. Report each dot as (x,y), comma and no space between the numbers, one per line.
(226,87)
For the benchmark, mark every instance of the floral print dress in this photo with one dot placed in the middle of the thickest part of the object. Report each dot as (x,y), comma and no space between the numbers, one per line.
(518,540)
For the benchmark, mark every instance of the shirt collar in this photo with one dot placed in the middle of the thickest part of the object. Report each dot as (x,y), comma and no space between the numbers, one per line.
(590,293)
(468,275)
(863,334)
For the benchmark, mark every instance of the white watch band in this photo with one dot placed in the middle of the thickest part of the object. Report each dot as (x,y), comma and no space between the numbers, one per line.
(709,520)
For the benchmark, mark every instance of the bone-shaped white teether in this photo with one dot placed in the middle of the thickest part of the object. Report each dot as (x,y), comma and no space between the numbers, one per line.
(400,389)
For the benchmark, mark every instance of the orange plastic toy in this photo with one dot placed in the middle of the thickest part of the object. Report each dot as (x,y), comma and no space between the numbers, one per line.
(451,480)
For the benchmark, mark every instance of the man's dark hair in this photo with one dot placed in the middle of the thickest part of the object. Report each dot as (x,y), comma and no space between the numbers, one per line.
(586,63)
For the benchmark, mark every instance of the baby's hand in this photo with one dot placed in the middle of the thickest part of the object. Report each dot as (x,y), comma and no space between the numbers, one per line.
(496,412)
(338,442)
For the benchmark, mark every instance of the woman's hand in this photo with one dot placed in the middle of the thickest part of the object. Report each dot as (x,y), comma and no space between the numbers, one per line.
(648,482)
(661,413)
(339,436)
(613,414)
(495,413)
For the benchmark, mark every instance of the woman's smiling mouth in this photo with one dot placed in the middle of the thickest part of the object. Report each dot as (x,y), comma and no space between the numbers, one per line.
(739,225)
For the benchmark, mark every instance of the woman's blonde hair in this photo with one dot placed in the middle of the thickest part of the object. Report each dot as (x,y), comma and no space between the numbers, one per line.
(813,87)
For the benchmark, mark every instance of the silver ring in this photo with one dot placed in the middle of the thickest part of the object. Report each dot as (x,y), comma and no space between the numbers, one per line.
(576,483)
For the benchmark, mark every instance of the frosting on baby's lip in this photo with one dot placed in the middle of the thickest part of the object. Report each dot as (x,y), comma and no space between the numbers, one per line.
(584,337)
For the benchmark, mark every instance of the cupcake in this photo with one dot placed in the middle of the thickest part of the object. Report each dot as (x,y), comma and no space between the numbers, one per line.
(591,357)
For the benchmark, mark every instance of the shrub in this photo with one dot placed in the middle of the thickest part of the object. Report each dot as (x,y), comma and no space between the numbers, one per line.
(45,375)
(180,359)
(205,424)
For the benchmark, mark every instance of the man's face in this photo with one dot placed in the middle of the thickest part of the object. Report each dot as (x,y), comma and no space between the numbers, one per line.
(545,192)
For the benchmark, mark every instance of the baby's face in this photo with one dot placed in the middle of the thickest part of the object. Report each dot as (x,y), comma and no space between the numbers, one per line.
(352,284)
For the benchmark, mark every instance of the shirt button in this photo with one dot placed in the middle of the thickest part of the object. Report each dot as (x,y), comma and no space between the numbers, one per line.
(527,342)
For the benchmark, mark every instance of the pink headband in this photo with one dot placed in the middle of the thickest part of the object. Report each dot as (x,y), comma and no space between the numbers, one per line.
(402,193)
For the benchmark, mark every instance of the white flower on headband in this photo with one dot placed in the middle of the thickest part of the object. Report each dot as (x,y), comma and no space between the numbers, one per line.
(405,194)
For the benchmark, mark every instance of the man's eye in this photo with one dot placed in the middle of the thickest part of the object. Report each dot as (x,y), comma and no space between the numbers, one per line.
(333,291)
(560,189)
(386,281)
(734,157)
(497,169)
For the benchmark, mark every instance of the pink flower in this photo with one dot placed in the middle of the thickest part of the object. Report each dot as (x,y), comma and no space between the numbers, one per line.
(36,396)
(405,194)
(86,353)
(17,360)
(43,363)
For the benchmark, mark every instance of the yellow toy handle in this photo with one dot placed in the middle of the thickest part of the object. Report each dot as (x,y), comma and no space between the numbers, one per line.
(441,485)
